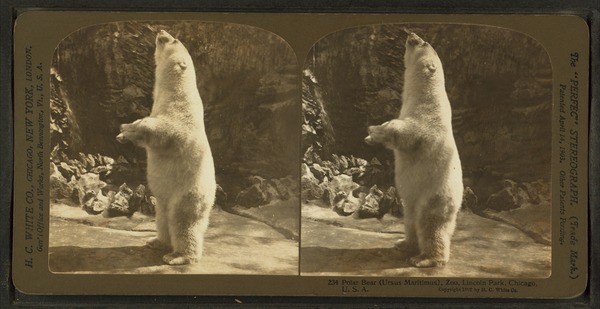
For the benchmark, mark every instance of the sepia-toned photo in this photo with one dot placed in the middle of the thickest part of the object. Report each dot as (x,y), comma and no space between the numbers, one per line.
(220,155)
(174,150)
(426,152)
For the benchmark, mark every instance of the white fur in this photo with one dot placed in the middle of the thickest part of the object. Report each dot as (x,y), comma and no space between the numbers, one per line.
(181,171)
(428,172)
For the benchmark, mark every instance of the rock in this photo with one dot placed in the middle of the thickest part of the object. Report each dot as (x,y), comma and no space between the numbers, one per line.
(511,197)
(537,191)
(59,186)
(305,170)
(250,197)
(102,171)
(310,188)
(343,183)
(375,162)
(256,180)
(149,206)
(344,163)
(122,160)
(352,161)
(283,191)
(328,165)
(357,173)
(221,196)
(339,183)
(84,160)
(119,204)
(95,203)
(342,205)
(470,200)
(86,183)
(65,170)
(137,199)
(311,157)
(328,172)
(370,206)
(337,162)
(261,192)
(62,157)
(290,183)
(317,171)
(373,173)
(109,160)
(392,203)
(91,161)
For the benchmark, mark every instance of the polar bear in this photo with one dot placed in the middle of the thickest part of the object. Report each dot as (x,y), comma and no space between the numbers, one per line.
(428,172)
(181,172)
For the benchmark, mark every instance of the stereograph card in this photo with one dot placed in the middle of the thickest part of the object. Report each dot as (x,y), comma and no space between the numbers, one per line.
(289,154)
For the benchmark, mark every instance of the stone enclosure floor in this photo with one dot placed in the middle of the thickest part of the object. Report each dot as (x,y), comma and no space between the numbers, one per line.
(343,246)
(80,243)
(258,242)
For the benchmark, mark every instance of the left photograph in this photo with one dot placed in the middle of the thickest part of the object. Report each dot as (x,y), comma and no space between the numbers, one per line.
(175,149)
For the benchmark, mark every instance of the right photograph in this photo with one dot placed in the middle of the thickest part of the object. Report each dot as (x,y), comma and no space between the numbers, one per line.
(426,153)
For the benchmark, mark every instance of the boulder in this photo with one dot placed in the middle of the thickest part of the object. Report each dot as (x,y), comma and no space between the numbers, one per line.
(66,170)
(119,204)
(318,171)
(392,203)
(510,197)
(311,157)
(149,206)
(220,196)
(345,204)
(137,199)
(310,188)
(470,200)
(370,206)
(261,192)
(283,190)
(95,203)
(538,191)
(337,162)
(86,183)
(344,163)
(343,183)
(60,187)
(330,166)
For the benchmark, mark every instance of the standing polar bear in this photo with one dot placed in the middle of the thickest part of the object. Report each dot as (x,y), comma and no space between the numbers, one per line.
(428,171)
(181,172)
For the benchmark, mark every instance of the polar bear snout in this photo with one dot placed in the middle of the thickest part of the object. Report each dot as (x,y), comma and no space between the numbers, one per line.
(163,37)
(369,140)
(414,40)
(121,138)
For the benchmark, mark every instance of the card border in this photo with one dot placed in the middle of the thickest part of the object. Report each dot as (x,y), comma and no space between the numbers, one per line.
(6,118)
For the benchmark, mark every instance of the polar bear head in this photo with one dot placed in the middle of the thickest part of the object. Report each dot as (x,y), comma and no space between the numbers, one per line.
(173,61)
(421,60)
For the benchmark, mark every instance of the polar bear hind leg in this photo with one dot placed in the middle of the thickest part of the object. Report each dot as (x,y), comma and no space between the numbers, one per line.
(162,241)
(435,227)
(188,223)
(409,244)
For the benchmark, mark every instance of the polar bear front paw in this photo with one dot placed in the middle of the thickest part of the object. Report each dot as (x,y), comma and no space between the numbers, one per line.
(376,136)
(177,258)
(129,132)
(425,261)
